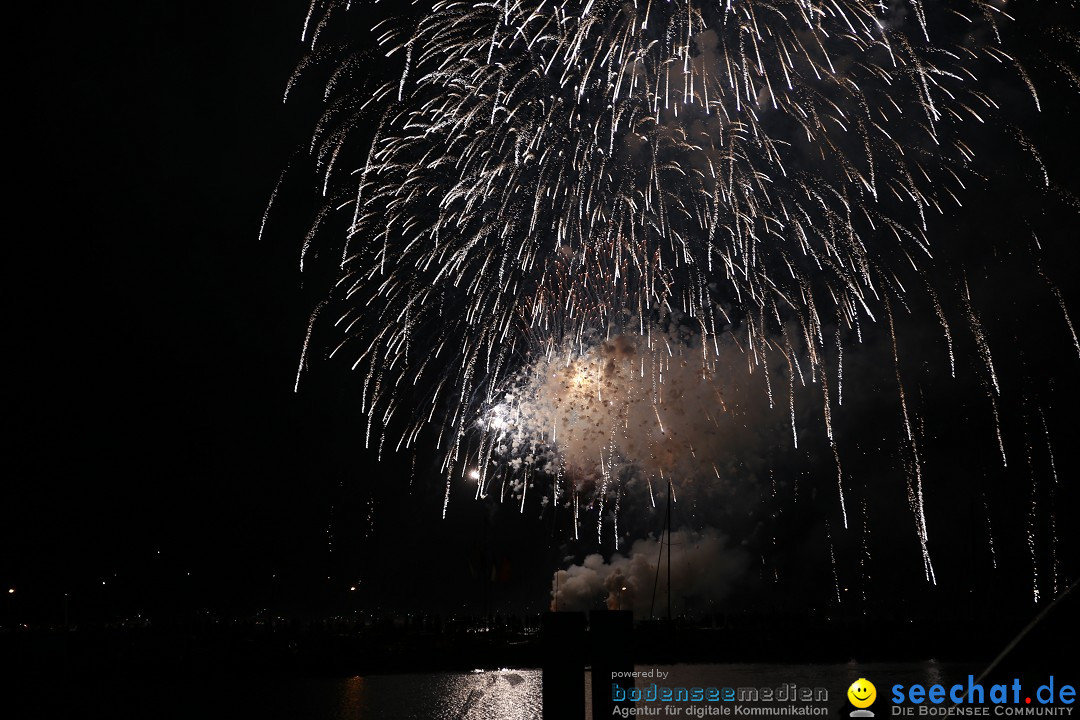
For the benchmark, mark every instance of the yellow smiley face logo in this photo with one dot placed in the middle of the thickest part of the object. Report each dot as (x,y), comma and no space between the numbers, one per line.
(862,693)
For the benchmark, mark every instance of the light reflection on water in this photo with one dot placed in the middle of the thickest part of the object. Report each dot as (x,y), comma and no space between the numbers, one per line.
(481,695)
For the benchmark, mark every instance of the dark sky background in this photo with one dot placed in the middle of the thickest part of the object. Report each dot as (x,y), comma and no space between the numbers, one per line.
(152,340)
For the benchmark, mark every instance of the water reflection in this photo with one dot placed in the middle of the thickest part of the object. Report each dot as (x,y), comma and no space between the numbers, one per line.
(933,673)
(352,703)
(486,695)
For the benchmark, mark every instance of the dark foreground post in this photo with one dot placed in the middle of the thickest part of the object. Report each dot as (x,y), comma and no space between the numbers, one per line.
(610,636)
(562,637)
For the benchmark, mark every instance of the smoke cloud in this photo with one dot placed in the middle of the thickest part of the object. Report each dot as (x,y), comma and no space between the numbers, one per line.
(655,405)
(704,568)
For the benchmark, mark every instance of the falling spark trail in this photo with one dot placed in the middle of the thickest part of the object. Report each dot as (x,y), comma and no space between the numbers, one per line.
(585,236)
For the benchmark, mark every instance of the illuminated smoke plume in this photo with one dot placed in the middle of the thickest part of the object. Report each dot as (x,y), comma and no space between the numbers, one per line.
(659,405)
(704,569)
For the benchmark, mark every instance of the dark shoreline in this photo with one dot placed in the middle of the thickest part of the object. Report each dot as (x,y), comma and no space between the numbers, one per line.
(362,645)
(345,649)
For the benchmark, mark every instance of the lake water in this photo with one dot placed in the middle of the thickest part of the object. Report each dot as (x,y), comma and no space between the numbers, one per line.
(481,695)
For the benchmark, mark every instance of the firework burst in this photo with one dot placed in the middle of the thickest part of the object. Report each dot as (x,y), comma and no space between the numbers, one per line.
(566,200)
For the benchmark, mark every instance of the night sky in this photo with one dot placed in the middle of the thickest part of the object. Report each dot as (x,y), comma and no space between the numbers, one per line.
(158,460)
(153,340)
